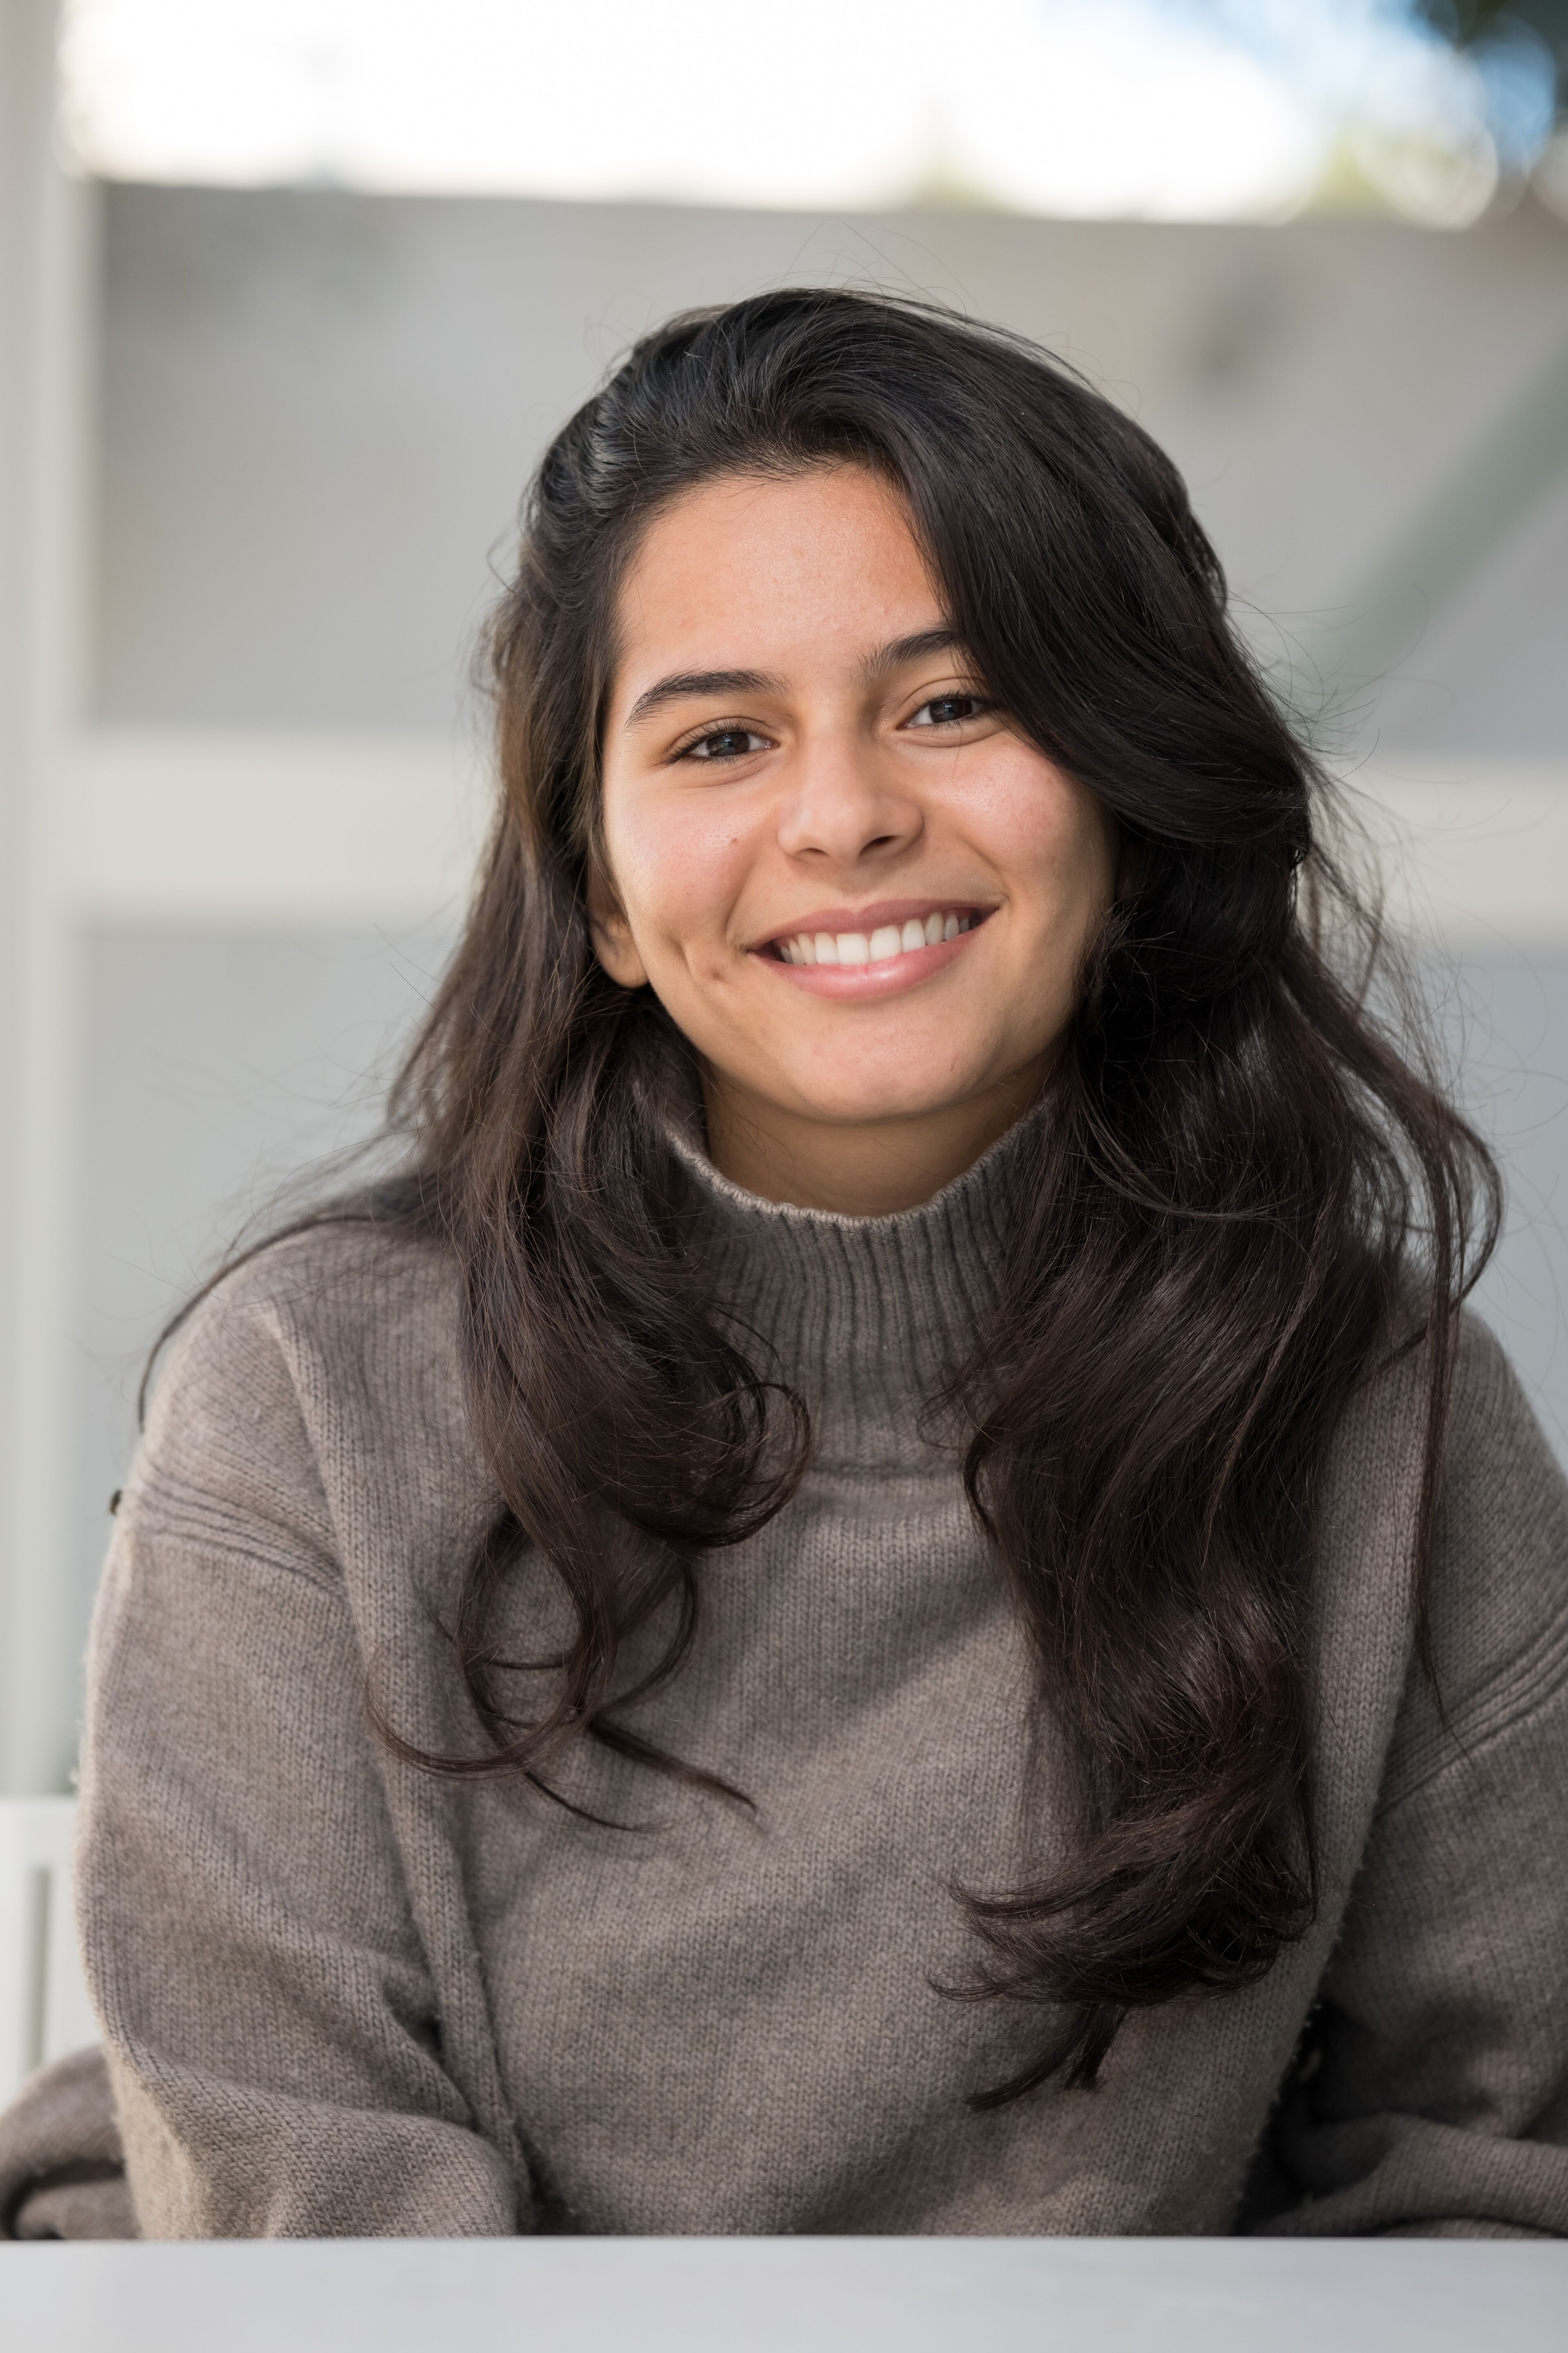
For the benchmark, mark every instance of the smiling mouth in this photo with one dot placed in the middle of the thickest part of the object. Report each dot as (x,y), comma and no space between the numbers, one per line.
(880,945)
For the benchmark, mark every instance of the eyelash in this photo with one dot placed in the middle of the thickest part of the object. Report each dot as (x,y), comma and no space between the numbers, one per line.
(979,710)
(717,735)
(693,749)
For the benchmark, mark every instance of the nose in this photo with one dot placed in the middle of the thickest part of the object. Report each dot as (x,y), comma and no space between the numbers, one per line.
(844,806)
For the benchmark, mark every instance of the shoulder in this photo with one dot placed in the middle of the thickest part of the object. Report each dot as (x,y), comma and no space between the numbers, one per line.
(1500,1571)
(319,1356)
(341,1294)
(1497,1596)
(1488,1399)
(335,1284)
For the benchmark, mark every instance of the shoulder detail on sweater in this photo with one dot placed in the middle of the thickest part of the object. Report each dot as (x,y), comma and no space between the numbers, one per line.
(334,1284)
(323,1351)
(1498,1596)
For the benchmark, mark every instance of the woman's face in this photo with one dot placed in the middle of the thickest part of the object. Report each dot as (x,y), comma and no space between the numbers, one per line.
(862,896)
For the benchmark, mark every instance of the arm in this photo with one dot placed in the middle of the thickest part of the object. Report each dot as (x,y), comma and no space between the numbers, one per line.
(1432,2096)
(268,2013)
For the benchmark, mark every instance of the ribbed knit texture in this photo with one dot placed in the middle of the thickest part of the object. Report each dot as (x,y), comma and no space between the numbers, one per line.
(341,1997)
(868,1318)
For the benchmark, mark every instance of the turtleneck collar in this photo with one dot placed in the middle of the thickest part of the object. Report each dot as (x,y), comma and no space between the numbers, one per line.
(867,1317)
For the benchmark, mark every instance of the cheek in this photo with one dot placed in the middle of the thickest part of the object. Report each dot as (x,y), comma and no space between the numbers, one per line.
(678,864)
(1048,833)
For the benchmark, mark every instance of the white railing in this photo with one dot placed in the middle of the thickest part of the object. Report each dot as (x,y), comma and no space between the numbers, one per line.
(44,2008)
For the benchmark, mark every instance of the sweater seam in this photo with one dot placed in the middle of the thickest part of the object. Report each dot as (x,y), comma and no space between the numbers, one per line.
(197,1535)
(1528,1694)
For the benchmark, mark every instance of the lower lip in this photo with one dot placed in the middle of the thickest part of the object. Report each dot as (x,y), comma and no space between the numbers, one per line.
(888,979)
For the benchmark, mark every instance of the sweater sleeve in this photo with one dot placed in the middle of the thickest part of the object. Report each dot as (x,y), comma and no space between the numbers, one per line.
(1431,2096)
(266,2003)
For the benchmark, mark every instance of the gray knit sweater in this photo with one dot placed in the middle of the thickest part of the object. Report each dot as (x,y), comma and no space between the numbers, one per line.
(342,1997)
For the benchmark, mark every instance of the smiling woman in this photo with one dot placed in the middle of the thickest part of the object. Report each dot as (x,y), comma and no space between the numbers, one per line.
(847,822)
(884,1590)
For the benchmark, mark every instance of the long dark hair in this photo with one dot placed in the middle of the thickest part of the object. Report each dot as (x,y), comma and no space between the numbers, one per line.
(1248,1192)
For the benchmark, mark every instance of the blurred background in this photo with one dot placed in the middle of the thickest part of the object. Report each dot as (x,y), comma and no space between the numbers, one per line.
(292,291)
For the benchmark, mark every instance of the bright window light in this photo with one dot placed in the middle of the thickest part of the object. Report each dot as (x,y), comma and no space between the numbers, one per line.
(1163,110)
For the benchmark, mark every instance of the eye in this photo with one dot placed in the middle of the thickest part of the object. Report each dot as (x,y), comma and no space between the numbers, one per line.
(724,744)
(948,711)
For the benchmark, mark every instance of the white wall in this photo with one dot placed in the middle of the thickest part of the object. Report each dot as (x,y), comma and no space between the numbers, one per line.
(319,408)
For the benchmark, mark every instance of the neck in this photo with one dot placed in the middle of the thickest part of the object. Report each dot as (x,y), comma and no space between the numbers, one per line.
(871,1168)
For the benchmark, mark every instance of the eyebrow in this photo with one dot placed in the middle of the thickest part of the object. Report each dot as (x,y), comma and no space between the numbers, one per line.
(683,684)
(900,650)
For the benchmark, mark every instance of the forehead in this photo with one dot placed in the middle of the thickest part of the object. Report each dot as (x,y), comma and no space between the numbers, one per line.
(747,570)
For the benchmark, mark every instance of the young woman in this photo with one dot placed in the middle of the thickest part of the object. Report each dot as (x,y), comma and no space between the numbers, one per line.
(882,1592)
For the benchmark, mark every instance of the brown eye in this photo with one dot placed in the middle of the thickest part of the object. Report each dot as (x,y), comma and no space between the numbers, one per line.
(726,743)
(948,711)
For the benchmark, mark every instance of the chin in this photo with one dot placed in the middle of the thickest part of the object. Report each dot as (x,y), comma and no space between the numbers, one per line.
(858,1104)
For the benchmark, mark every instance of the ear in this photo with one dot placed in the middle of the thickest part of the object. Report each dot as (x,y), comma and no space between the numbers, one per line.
(610,933)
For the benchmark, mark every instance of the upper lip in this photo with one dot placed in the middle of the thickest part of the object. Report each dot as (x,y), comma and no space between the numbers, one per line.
(872,919)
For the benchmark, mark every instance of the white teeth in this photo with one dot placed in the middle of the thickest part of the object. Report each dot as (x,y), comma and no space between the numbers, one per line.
(887,941)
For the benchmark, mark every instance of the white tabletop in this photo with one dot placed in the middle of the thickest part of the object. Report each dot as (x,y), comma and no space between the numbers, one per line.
(761,2295)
